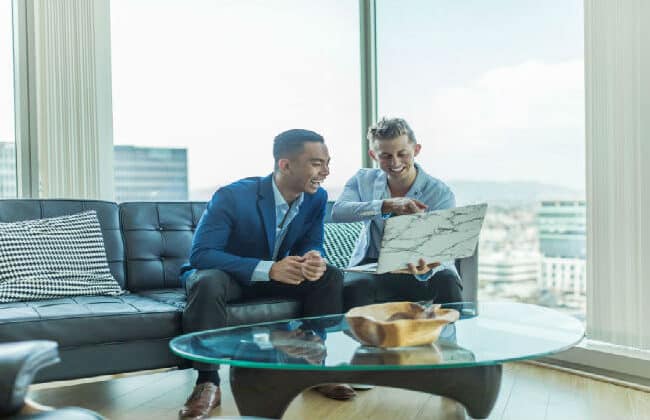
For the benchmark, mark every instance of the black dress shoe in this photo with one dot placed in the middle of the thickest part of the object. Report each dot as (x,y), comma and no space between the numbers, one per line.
(201,401)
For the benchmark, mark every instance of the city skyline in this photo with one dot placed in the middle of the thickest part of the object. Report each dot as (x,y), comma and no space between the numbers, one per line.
(466,190)
(531,249)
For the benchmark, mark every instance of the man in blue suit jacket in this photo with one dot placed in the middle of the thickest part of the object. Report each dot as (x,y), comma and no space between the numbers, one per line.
(261,237)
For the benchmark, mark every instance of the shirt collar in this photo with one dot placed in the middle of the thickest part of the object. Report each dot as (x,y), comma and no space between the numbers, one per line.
(279,199)
(417,187)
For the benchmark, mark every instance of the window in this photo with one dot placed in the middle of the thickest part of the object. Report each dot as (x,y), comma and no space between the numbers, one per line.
(201,88)
(495,94)
(7,128)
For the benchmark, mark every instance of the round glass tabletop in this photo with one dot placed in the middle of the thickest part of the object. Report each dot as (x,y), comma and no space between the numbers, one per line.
(493,334)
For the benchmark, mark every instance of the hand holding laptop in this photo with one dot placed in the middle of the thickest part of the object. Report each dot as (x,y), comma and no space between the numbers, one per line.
(421,268)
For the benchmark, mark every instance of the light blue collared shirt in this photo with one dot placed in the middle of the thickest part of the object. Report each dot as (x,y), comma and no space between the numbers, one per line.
(362,200)
(377,230)
(284,214)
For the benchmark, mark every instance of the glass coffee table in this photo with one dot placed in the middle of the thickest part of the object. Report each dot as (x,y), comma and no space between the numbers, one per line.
(273,362)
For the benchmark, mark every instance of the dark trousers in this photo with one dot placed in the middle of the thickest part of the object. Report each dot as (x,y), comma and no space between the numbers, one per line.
(209,292)
(365,289)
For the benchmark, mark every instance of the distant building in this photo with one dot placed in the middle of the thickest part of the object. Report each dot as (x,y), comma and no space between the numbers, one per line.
(562,227)
(508,274)
(564,275)
(141,173)
(7,170)
(150,173)
(562,241)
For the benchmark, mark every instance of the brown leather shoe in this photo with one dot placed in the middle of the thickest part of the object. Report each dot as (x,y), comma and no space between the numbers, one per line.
(337,391)
(201,401)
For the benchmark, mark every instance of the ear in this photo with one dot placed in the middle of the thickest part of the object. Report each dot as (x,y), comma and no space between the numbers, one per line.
(418,146)
(283,165)
(373,155)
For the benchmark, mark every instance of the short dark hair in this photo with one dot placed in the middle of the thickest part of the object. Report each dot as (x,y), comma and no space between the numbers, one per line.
(390,128)
(291,142)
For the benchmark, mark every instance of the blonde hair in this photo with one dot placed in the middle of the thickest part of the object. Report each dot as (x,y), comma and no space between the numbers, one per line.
(390,128)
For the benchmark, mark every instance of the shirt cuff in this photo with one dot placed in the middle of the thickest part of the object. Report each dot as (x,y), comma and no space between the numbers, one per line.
(262,270)
(373,209)
(376,205)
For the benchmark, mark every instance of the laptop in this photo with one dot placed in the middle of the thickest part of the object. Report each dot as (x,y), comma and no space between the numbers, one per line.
(435,236)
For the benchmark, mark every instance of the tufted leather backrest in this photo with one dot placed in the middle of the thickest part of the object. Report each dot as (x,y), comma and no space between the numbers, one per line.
(157,241)
(26,209)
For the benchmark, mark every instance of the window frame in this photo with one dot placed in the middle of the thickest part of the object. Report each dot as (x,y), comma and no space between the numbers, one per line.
(25,120)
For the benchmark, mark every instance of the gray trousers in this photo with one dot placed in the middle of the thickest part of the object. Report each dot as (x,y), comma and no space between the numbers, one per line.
(210,291)
(365,289)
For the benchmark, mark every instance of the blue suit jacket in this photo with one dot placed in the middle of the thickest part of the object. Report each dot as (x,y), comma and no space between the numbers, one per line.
(237,229)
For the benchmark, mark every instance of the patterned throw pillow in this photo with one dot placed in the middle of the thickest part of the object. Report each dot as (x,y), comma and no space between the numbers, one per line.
(339,242)
(51,258)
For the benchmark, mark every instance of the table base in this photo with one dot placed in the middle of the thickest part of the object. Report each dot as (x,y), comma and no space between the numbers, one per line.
(268,392)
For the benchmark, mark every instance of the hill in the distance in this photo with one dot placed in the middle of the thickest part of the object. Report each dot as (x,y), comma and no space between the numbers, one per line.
(510,193)
(467,192)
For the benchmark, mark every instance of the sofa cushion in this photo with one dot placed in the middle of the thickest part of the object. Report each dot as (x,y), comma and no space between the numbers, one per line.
(12,210)
(54,257)
(157,241)
(247,312)
(89,320)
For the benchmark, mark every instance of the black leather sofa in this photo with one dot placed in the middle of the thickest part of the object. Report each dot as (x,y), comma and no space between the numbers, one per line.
(146,243)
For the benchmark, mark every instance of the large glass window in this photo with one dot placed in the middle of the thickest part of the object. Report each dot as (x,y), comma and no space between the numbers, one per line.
(494,91)
(7,128)
(201,88)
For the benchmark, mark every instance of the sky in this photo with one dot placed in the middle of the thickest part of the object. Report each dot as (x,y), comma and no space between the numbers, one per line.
(493,90)
(224,78)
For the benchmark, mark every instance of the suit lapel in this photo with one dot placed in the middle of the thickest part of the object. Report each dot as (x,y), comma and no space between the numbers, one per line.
(266,207)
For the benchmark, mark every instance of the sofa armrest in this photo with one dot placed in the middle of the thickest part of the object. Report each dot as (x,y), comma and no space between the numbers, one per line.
(468,270)
(19,362)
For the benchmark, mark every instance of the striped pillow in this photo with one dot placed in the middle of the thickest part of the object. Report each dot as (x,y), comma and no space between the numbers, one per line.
(52,258)
(339,242)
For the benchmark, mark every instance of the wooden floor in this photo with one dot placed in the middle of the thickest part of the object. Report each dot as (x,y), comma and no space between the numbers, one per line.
(527,392)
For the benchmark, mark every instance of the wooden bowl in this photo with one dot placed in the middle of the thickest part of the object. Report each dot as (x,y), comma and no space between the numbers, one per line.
(398,324)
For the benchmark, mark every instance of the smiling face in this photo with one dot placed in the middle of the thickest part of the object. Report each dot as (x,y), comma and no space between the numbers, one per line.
(396,157)
(306,171)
